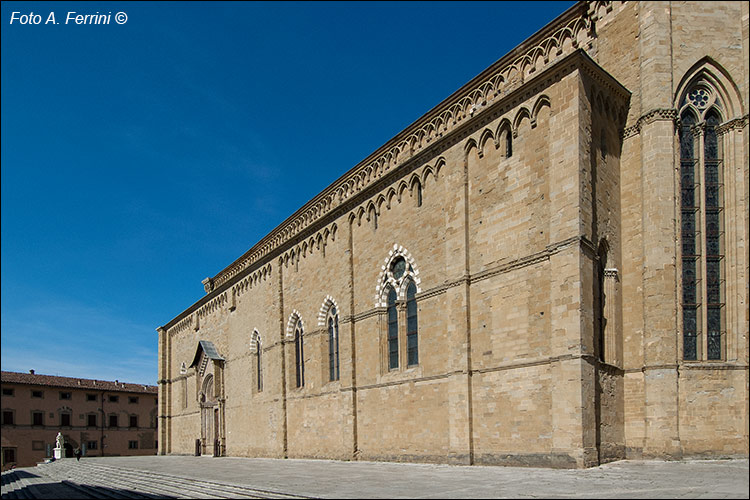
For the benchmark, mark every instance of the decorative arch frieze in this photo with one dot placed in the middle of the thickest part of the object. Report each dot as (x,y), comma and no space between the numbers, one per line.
(540,103)
(522,113)
(387,278)
(486,136)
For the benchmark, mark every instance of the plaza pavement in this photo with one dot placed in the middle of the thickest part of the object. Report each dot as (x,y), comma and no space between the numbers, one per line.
(335,479)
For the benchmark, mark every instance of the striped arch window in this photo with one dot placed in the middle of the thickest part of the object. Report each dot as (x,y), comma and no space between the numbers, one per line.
(333,344)
(299,354)
(399,285)
(701,225)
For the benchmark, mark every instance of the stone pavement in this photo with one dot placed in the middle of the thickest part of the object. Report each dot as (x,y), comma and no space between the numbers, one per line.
(333,479)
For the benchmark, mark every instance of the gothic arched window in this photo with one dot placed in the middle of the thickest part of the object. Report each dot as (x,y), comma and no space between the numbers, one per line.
(333,344)
(299,354)
(412,343)
(701,225)
(392,330)
(508,144)
(258,364)
(397,290)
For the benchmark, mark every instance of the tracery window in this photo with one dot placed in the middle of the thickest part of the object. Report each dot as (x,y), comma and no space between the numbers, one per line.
(333,344)
(299,354)
(702,234)
(397,293)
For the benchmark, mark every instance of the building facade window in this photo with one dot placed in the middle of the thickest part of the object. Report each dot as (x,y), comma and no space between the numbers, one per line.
(8,417)
(133,400)
(508,144)
(392,330)
(397,291)
(37,418)
(299,354)
(113,421)
(91,420)
(412,342)
(37,394)
(133,420)
(92,445)
(701,225)
(132,445)
(183,382)
(258,346)
(90,397)
(7,391)
(333,344)
(65,419)
(66,395)
(114,399)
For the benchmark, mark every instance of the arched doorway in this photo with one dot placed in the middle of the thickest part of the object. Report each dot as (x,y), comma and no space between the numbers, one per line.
(209,417)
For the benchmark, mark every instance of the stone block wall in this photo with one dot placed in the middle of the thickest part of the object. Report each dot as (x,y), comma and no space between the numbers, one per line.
(548,272)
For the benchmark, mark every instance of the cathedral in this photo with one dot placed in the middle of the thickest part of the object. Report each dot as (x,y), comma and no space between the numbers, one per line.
(549,268)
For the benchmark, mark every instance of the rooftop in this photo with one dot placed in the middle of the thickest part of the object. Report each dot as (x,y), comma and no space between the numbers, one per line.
(33,378)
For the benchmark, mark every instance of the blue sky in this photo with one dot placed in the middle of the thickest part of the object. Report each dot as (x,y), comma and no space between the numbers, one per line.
(140,158)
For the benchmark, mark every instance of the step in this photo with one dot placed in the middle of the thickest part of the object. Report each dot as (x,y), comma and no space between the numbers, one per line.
(185,485)
(234,490)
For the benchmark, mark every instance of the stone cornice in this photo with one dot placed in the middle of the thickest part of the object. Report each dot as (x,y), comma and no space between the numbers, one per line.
(657,114)
(737,123)
(670,114)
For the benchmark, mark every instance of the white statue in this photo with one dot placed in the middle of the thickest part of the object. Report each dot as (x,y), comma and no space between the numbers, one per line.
(59,440)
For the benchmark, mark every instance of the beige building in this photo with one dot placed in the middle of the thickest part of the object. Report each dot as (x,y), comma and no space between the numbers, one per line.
(101,418)
(548,268)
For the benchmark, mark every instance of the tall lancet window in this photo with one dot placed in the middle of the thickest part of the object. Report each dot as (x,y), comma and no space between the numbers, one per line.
(412,343)
(299,354)
(714,235)
(333,344)
(392,330)
(702,234)
(258,364)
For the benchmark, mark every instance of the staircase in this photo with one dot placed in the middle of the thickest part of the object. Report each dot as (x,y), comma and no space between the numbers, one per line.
(72,479)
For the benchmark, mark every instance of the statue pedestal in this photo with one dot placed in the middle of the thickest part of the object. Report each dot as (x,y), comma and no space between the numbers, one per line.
(58,453)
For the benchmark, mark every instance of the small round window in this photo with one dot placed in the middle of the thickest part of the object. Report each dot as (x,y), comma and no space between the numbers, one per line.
(398,267)
(699,97)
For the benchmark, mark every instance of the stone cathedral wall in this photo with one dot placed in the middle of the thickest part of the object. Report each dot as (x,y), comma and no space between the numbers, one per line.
(547,275)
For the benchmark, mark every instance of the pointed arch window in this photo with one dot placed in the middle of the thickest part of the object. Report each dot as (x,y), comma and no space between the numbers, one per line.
(701,225)
(333,344)
(412,342)
(392,330)
(299,354)
(258,364)
(508,144)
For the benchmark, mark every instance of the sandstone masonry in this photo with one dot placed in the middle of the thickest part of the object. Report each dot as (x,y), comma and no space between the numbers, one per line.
(507,280)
